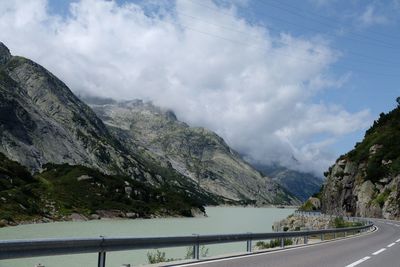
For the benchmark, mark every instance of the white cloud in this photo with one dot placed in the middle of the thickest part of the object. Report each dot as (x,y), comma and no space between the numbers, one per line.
(370,17)
(213,68)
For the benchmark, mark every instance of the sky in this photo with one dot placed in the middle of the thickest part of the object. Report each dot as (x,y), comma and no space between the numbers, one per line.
(294,83)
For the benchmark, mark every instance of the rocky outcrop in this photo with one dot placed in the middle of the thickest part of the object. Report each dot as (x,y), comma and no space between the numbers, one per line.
(346,192)
(299,222)
(195,152)
(366,181)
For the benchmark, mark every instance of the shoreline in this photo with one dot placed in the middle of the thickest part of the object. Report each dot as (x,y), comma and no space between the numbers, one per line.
(76,217)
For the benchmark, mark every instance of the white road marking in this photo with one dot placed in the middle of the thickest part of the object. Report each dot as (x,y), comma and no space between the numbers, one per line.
(379,251)
(358,262)
(398,240)
(278,251)
(391,245)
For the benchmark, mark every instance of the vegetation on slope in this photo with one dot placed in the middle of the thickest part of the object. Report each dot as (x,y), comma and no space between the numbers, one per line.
(61,190)
(365,181)
(385,134)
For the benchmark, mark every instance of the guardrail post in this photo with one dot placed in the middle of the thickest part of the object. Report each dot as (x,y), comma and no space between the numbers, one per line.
(345,234)
(196,251)
(196,248)
(334,235)
(282,242)
(249,245)
(305,239)
(322,237)
(102,259)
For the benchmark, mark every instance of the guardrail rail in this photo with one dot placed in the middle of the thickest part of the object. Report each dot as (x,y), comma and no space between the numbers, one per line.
(13,249)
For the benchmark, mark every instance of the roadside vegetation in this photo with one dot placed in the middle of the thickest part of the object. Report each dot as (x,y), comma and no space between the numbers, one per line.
(160,256)
(340,222)
(273,243)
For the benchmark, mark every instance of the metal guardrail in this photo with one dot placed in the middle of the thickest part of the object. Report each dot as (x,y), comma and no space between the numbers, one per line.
(12,249)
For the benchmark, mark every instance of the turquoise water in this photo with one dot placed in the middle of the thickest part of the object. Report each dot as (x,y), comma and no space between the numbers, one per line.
(219,220)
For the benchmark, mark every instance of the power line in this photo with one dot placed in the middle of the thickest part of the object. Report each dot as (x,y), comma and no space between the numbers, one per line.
(363,57)
(329,25)
(275,51)
(329,19)
(375,60)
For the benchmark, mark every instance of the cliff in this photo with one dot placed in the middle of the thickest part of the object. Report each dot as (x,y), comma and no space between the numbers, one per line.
(366,181)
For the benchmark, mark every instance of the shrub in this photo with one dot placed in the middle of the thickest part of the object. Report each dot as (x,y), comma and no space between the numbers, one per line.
(157,257)
(273,243)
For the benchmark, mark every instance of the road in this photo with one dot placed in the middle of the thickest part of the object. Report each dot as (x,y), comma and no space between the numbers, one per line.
(377,249)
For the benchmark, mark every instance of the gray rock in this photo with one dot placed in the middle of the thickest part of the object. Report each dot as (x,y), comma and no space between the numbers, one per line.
(197,153)
(5,55)
(84,177)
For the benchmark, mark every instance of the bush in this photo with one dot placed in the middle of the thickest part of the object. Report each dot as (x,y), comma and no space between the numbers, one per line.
(381,198)
(273,243)
(157,257)
(339,222)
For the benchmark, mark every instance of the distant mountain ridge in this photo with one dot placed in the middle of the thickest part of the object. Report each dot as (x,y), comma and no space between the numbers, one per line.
(300,184)
(195,152)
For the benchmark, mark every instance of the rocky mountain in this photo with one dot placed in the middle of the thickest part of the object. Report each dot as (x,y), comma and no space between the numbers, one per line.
(58,158)
(42,121)
(194,152)
(366,181)
(300,184)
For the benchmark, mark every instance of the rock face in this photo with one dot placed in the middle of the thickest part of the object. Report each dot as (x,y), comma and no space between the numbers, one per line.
(366,181)
(298,222)
(196,153)
(301,185)
(42,121)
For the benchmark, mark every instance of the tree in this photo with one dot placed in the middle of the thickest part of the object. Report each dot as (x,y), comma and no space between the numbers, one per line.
(398,100)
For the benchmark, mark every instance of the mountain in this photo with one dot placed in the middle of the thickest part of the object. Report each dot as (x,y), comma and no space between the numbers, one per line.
(366,181)
(64,159)
(195,152)
(43,122)
(301,185)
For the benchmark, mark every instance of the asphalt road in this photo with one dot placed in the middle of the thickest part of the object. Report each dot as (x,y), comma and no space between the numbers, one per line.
(377,249)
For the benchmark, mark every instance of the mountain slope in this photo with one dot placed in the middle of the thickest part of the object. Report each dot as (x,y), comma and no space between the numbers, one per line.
(42,121)
(366,181)
(196,153)
(302,185)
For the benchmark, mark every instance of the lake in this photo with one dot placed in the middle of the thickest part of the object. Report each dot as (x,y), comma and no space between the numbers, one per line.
(220,220)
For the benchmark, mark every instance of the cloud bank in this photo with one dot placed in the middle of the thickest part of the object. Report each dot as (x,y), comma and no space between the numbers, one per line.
(208,64)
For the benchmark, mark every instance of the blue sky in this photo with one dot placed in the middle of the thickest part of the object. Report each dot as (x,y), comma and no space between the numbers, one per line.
(370,48)
(349,51)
